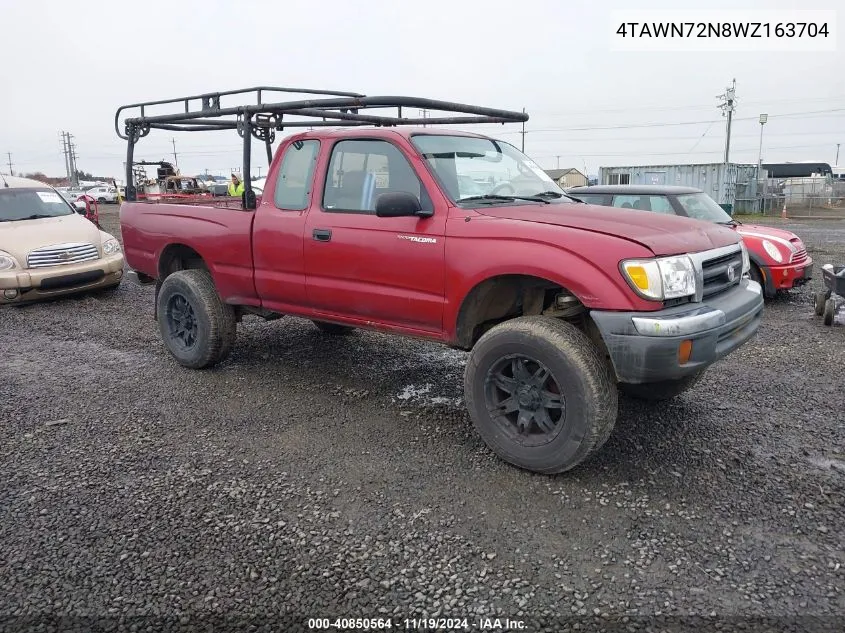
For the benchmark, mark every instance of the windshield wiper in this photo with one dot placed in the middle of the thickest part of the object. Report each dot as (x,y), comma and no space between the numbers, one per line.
(36,216)
(730,222)
(557,194)
(497,197)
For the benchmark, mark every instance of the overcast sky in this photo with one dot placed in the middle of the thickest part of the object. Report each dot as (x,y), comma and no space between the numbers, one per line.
(69,65)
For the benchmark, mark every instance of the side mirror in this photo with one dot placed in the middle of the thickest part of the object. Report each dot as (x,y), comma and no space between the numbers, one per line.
(399,204)
(80,206)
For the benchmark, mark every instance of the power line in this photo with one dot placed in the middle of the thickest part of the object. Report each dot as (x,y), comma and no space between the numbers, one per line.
(681,152)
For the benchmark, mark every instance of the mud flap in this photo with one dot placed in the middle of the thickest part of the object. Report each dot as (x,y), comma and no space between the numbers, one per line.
(155,301)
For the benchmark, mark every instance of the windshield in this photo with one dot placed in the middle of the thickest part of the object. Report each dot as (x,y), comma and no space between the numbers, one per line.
(31,204)
(468,166)
(702,207)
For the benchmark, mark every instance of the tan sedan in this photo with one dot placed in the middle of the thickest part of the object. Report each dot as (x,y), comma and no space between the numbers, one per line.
(47,249)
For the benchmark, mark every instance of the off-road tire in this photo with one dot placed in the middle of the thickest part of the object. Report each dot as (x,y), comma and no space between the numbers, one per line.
(586,383)
(662,390)
(216,321)
(333,328)
(819,300)
(829,312)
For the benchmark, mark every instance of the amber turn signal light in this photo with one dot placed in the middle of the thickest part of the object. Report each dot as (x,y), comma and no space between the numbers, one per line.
(684,351)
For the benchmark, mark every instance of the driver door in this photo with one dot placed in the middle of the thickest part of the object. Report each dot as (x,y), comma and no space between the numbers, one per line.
(386,270)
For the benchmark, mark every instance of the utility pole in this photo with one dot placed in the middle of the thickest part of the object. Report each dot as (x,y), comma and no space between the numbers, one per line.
(74,175)
(558,161)
(523,133)
(728,106)
(9,154)
(66,155)
(837,154)
(175,160)
(424,113)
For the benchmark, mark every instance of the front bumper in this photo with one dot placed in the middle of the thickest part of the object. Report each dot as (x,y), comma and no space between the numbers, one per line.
(36,284)
(645,346)
(785,277)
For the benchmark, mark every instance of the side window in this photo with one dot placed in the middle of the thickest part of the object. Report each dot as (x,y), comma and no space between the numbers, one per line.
(627,202)
(361,170)
(661,204)
(591,198)
(296,175)
(656,204)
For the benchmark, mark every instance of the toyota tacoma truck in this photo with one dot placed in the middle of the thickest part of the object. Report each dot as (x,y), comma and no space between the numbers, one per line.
(377,222)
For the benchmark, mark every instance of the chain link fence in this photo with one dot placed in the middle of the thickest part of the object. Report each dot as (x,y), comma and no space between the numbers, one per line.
(802,197)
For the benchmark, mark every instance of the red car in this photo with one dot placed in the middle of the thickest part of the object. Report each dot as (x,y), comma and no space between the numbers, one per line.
(779,260)
(456,238)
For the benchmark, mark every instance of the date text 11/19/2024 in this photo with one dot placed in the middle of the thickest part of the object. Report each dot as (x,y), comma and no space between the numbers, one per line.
(416,624)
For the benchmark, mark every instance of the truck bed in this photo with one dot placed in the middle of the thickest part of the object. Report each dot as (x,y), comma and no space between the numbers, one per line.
(219,231)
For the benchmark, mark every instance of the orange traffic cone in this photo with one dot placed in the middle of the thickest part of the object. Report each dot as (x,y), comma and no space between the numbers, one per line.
(783,213)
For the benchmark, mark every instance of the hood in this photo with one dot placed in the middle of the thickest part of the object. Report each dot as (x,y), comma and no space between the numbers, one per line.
(662,234)
(20,237)
(765,232)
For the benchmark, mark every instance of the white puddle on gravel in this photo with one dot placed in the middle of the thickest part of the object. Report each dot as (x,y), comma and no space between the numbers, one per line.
(421,395)
(828,463)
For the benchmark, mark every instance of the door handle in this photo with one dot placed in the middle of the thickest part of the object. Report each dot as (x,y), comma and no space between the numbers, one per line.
(322,235)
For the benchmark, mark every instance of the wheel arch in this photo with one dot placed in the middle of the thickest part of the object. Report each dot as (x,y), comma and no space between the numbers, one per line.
(509,295)
(178,256)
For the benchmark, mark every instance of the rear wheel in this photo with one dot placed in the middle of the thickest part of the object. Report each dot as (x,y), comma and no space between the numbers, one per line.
(819,300)
(333,328)
(101,200)
(540,394)
(197,328)
(829,312)
(662,390)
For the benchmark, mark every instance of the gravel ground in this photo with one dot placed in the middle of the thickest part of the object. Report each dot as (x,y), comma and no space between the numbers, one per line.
(311,476)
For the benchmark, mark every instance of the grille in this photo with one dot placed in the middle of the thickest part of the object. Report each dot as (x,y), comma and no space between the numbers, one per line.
(59,254)
(716,273)
(799,256)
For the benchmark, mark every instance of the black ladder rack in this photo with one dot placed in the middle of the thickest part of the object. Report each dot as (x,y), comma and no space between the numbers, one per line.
(259,120)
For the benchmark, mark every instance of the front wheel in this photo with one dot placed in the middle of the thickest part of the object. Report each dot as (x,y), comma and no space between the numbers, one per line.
(661,390)
(197,328)
(540,394)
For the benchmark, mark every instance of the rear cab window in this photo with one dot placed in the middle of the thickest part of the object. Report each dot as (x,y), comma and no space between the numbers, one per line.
(296,175)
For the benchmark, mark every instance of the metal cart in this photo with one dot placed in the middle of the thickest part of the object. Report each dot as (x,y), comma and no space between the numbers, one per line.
(827,302)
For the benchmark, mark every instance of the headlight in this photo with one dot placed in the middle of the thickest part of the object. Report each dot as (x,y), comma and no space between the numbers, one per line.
(773,251)
(746,260)
(111,246)
(663,278)
(7,262)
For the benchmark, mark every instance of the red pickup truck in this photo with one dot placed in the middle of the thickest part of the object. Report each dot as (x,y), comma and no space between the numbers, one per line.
(461,239)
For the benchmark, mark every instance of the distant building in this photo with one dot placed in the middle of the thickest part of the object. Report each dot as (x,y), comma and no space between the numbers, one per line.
(570,177)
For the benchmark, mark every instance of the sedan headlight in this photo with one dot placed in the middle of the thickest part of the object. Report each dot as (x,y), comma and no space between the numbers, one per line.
(7,262)
(662,278)
(773,251)
(111,246)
